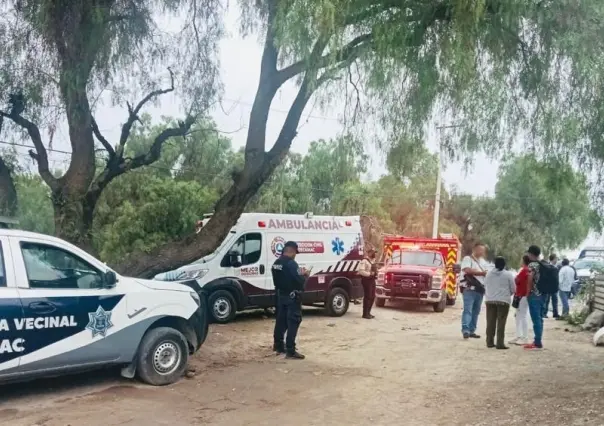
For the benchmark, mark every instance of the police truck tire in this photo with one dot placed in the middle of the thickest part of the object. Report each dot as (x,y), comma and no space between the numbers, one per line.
(337,302)
(440,306)
(162,356)
(222,306)
(380,302)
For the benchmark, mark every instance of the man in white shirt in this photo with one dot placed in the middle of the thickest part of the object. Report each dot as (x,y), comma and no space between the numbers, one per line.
(473,270)
(566,277)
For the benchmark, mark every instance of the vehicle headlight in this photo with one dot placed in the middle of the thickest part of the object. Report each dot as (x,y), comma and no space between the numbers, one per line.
(437,281)
(196,298)
(195,274)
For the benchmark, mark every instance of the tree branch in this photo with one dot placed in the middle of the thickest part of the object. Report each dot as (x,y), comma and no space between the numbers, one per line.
(133,114)
(155,151)
(40,155)
(267,88)
(118,166)
(355,46)
(101,138)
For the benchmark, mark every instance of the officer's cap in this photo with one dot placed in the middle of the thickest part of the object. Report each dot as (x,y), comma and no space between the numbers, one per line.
(291,244)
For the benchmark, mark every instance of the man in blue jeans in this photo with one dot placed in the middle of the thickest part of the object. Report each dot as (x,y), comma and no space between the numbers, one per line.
(473,289)
(535,299)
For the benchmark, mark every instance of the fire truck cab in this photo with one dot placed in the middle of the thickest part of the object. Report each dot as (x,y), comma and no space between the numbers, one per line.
(422,270)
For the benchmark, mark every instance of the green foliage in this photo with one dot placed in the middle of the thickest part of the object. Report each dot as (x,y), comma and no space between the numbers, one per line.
(52,46)
(34,211)
(146,212)
(536,202)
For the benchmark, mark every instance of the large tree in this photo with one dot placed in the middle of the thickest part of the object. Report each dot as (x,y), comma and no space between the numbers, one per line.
(494,66)
(59,57)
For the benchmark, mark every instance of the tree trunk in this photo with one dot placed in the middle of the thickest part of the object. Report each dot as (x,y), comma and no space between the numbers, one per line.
(8,193)
(227,211)
(71,220)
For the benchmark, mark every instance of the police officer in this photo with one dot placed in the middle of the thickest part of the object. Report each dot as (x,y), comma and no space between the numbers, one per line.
(289,285)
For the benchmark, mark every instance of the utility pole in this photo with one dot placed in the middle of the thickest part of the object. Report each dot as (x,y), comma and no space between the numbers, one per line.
(281,197)
(439,180)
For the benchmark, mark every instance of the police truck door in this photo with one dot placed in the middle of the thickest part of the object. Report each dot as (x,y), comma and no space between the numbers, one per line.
(66,310)
(11,313)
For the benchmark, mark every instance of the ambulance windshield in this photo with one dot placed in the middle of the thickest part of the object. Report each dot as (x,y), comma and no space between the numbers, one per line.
(418,258)
(227,241)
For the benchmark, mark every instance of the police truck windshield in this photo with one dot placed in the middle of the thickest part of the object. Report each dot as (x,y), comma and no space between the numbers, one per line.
(419,258)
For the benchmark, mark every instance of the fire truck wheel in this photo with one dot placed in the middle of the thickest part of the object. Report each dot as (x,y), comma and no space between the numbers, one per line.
(440,306)
(337,302)
(451,301)
(380,302)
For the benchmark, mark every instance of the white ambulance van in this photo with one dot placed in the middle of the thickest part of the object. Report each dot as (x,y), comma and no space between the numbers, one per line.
(237,276)
(63,311)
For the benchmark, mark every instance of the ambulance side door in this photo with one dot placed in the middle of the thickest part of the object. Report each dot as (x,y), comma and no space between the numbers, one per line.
(66,311)
(11,311)
(251,269)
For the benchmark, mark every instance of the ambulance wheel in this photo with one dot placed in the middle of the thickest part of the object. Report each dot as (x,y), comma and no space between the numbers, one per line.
(440,306)
(380,303)
(222,306)
(162,356)
(337,302)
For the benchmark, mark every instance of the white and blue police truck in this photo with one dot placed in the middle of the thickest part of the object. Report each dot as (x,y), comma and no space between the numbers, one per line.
(63,311)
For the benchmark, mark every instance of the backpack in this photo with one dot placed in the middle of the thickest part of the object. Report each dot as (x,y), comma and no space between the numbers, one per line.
(548,278)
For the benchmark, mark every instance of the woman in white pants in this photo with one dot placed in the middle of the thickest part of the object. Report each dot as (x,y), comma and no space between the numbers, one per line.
(522,312)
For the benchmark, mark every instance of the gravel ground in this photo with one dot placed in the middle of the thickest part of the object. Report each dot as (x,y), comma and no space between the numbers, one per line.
(408,366)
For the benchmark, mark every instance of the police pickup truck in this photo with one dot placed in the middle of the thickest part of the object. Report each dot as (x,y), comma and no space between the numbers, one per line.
(63,311)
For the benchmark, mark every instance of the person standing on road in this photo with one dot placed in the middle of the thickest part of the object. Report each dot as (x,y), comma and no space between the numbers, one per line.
(522,309)
(553,260)
(499,289)
(473,272)
(566,278)
(368,272)
(535,298)
(289,284)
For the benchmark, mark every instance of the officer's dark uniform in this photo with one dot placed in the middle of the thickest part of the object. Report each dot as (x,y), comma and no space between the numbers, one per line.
(289,285)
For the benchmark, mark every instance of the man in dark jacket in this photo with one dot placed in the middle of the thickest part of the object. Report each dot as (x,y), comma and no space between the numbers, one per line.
(289,286)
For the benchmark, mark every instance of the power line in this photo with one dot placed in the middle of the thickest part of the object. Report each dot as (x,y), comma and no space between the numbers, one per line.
(331,191)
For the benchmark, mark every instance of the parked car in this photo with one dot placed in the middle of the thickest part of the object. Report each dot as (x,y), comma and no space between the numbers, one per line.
(63,311)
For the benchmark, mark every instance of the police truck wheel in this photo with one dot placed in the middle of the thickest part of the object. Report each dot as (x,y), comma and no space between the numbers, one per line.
(440,306)
(337,302)
(222,306)
(162,356)
(380,303)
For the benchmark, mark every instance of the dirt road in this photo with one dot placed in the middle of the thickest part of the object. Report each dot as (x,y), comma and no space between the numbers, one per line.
(408,367)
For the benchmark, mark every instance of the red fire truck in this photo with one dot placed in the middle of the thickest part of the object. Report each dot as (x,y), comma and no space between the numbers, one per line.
(423,270)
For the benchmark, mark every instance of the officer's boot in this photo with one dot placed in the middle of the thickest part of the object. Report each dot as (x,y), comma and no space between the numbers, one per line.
(294,355)
(279,348)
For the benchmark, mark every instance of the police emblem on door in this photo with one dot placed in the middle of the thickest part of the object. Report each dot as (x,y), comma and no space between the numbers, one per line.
(99,322)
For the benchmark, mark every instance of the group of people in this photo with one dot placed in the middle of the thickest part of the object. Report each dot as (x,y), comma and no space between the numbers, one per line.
(530,291)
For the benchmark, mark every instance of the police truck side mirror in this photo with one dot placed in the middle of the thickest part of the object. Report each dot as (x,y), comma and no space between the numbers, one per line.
(109,279)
